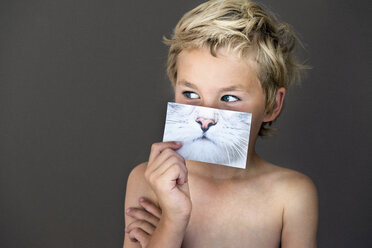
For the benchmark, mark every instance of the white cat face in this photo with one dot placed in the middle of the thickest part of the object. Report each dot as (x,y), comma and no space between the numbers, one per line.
(208,134)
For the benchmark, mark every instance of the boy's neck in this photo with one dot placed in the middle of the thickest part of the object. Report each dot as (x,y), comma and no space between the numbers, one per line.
(220,172)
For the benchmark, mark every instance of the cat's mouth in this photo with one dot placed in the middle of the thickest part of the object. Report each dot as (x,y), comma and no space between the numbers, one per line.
(203,138)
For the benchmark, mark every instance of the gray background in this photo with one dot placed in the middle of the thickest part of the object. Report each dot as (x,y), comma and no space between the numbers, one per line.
(83,94)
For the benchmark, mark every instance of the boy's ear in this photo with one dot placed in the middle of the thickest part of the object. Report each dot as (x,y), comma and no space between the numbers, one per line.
(279,99)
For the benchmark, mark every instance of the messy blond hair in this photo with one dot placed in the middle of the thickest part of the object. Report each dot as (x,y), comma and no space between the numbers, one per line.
(239,25)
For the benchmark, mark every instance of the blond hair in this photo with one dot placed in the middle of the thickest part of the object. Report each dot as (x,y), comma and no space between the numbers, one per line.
(239,25)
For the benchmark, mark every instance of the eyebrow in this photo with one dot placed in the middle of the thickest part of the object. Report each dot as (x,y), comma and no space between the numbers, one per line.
(230,88)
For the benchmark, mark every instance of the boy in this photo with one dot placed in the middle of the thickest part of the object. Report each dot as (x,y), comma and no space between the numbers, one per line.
(227,54)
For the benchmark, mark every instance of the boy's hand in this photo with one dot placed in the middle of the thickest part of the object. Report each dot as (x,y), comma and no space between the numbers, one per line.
(166,173)
(147,218)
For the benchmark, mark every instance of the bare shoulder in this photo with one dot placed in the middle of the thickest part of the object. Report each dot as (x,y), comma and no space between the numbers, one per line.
(287,180)
(296,190)
(300,207)
(137,186)
(294,183)
(137,175)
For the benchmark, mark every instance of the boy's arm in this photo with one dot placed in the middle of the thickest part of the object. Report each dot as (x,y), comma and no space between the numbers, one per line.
(300,217)
(166,234)
(136,187)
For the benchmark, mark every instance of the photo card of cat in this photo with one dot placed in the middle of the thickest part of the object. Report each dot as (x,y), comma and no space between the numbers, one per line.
(209,135)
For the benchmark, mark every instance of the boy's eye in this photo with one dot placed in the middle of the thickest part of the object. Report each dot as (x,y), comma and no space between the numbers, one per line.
(229,98)
(190,94)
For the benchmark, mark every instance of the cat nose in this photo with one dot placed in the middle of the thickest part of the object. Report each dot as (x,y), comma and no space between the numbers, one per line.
(205,123)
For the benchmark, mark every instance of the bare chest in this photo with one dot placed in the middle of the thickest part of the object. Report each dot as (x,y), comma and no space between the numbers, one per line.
(234,217)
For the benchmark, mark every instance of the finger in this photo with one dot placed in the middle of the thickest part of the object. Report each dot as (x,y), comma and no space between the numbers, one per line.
(173,175)
(139,235)
(150,207)
(181,163)
(144,225)
(166,153)
(159,161)
(172,158)
(157,148)
(142,214)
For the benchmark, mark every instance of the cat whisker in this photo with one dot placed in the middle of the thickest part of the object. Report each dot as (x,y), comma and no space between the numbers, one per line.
(240,151)
(228,156)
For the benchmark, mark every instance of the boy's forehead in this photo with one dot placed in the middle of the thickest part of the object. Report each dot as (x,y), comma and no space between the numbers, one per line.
(199,65)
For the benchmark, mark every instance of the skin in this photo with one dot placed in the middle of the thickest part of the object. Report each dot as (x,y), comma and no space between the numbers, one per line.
(196,204)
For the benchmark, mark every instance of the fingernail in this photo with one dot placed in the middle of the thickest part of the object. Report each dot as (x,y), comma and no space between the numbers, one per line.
(178,143)
(127,211)
(141,199)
